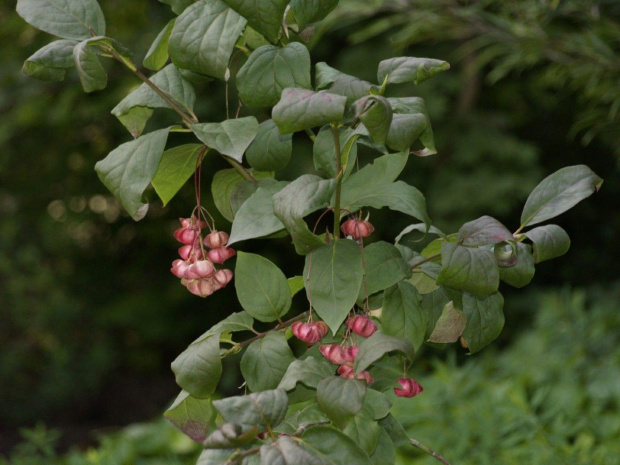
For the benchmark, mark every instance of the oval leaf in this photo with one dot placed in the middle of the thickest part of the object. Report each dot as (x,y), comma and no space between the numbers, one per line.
(265,17)
(521,273)
(265,409)
(300,109)
(265,362)
(485,319)
(550,241)
(309,372)
(340,398)
(409,69)
(199,367)
(403,314)
(469,269)
(270,150)
(175,168)
(191,415)
(69,19)
(50,62)
(231,137)
(379,344)
(484,231)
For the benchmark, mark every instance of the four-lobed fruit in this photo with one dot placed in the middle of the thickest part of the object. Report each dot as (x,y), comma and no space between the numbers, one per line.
(409,388)
(346,371)
(309,332)
(357,228)
(338,354)
(362,325)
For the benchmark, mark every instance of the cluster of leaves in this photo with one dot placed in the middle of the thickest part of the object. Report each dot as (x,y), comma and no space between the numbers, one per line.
(298,410)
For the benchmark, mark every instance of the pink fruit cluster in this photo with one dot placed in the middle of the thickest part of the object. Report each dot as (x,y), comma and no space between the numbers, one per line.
(309,332)
(409,388)
(357,228)
(196,267)
(362,325)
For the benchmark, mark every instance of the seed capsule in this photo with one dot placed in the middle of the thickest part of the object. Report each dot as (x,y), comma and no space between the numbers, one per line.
(410,388)
(362,325)
(357,228)
(216,239)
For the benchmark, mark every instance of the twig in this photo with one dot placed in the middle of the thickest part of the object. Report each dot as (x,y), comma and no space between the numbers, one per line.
(429,451)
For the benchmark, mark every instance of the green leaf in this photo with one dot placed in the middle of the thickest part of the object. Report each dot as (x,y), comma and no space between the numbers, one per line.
(261,287)
(333,447)
(403,314)
(340,398)
(309,372)
(303,196)
(223,186)
(395,431)
(420,125)
(269,151)
(178,6)
(190,415)
(230,137)
(204,36)
(383,171)
(231,435)
(324,151)
(408,69)
(521,273)
(265,362)
(214,456)
(300,109)
(270,70)
(484,231)
(198,368)
(550,241)
(92,75)
(325,75)
(449,326)
(364,430)
(469,269)
(295,284)
(51,62)
(266,409)
(351,87)
(385,453)
(433,304)
(311,11)
(128,170)
(335,278)
(377,404)
(285,451)
(68,19)
(405,130)
(265,17)
(485,319)
(255,218)
(384,267)
(175,168)
(376,114)
(559,192)
(379,344)
(235,322)
(157,55)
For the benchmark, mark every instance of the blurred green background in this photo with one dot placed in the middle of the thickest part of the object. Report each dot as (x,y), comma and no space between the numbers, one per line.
(91,317)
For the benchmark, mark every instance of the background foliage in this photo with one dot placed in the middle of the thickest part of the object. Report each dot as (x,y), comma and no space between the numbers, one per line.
(77,277)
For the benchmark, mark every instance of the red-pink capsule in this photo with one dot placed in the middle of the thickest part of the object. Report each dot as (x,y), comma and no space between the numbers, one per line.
(221,254)
(192,223)
(357,228)
(186,236)
(200,287)
(346,371)
(202,268)
(410,388)
(216,239)
(185,252)
(333,353)
(222,277)
(349,353)
(309,332)
(178,268)
(362,325)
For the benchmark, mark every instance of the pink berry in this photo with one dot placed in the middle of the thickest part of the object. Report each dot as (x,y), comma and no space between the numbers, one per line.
(349,353)
(178,268)
(357,228)
(339,355)
(202,268)
(192,223)
(222,277)
(221,254)
(309,332)
(346,371)
(362,325)
(216,239)
(199,287)
(410,388)
(186,236)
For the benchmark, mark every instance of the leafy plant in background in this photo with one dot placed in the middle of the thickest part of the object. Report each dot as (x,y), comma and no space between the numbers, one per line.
(371,306)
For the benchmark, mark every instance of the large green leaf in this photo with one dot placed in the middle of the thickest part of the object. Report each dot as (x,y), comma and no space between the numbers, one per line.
(235,322)
(310,11)
(379,344)
(485,319)
(300,109)
(128,170)
(191,415)
(364,430)
(469,269)
(256,218)
(383,171)
(223,186)
(559,192)
(90,71)
(340,398)
(198,368)
(550,241)
(51,62)
(204,36)
(175,168)
(420,125)
(409,69)
(384,266)
(484,231)
(309,371)
(69,19)
(403,314)
(178,6)
(230,137)
(521,273)
(351,87)
(335,278)
(449,325)
(157,55)
(130,110)
(385,453)
(265,409)
(270,150)
(405,130)
(271,69)
(333,447)
(375,112)
(285,451)
(262,289)
(324,151)
(264,16)
(303,196)
(265,361)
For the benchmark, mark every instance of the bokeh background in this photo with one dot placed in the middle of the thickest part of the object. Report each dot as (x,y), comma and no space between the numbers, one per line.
(90,317)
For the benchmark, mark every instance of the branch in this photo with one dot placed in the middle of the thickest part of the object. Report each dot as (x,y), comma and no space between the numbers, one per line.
(426,260)
(336,134)
(429,451)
